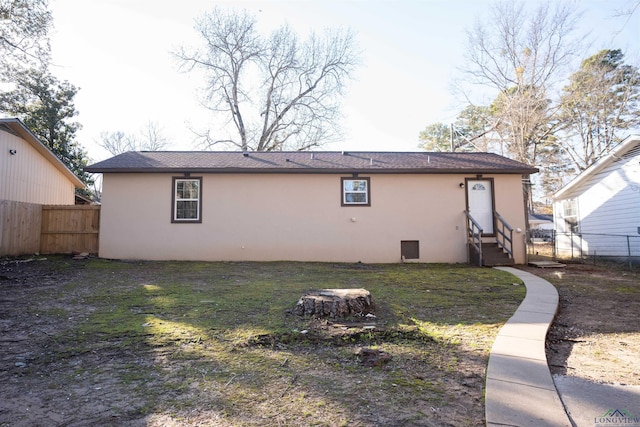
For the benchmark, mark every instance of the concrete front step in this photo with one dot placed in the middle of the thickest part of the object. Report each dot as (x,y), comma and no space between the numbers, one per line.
(493,255)
(495,262)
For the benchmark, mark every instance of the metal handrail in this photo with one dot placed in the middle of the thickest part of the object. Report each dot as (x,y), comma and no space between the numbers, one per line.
(474,238)
(504,241)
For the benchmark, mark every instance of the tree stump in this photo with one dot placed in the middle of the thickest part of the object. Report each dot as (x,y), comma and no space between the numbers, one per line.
(335,303)
(370,357)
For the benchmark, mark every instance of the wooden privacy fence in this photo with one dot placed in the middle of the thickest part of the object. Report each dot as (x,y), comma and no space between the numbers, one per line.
(19,228)
(66,229)
(27,228)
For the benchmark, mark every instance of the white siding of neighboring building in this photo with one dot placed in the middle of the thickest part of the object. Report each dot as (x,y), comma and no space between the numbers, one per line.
(608,205)
(27,176)
(611,202)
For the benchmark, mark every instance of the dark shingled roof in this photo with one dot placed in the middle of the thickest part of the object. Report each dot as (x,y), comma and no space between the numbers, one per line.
(308,162)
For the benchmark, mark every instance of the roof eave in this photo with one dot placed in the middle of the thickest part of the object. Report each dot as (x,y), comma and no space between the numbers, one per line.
(605,161)
(343,171)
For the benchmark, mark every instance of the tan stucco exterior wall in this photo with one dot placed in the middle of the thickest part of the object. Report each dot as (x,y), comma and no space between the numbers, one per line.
(27,176)
(269,217)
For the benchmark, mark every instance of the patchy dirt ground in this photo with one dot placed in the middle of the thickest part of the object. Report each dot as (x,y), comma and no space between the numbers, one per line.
(596,332)
(45,382)
(52,375)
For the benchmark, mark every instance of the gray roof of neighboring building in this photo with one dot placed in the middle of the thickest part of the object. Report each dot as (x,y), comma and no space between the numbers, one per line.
(308,162)
(540,217)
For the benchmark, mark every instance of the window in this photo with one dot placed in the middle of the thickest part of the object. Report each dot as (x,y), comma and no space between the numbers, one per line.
(355,192)
(187,206)
(479,187)
(570,215)
(569,207)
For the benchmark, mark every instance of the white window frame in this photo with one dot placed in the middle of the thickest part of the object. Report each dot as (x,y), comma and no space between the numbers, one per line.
(366,192)
(176,200)
(570,215)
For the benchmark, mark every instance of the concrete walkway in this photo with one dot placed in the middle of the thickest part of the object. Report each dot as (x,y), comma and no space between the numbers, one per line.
(519,388)
(587,401)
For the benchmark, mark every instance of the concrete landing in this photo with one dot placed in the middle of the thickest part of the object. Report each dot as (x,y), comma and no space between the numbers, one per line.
(519,388)
(547,264)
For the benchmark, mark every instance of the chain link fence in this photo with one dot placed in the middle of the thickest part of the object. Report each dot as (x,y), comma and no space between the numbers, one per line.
(583,247)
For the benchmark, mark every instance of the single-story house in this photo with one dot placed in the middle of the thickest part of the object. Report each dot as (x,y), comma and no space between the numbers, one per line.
(541,227)
(539,221)
(598,212)
(373,207)
(29,171)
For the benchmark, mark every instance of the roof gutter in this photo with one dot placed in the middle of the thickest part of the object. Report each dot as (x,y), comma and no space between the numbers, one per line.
(309,171)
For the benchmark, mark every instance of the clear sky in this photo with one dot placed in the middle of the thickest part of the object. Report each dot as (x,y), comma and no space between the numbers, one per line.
(118,52)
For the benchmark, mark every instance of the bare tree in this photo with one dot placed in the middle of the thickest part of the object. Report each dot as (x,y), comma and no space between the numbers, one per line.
(116,142)
(524,120)
(151,138)
(521,55)
(628,12)
(278,91)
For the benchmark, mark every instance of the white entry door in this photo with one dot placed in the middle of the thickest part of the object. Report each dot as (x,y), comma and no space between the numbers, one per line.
(480,203)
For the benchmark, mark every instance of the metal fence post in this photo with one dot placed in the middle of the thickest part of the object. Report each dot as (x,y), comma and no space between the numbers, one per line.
(571,241)
(629,250)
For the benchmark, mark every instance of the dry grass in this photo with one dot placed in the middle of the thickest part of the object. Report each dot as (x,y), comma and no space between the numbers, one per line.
(167,343)
(595,334)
